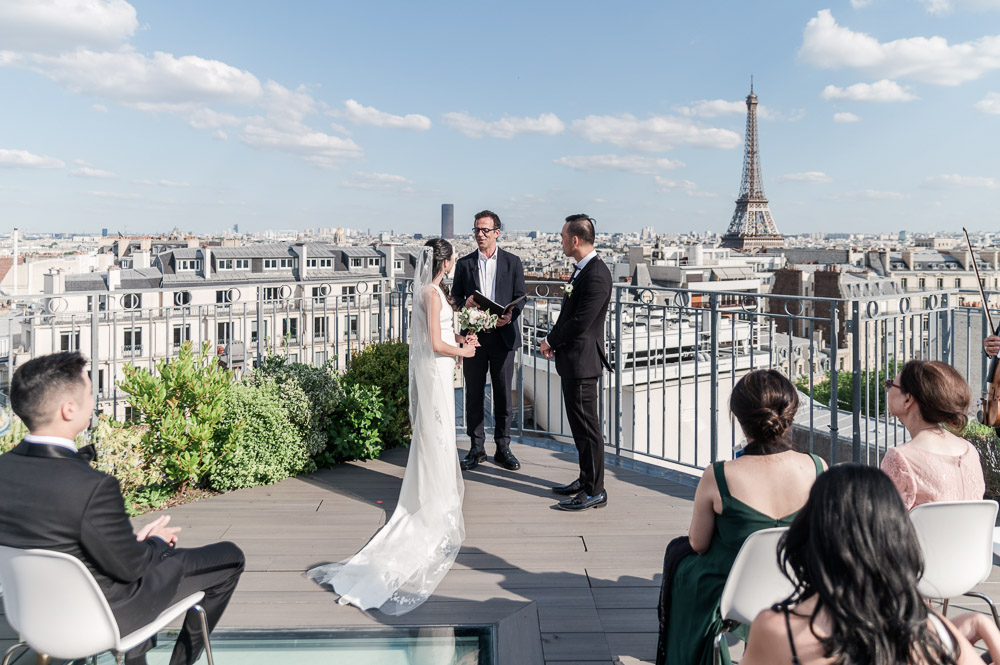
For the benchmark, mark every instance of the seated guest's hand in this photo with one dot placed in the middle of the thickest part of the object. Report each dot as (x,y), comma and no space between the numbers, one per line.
(158,528)
(992,345)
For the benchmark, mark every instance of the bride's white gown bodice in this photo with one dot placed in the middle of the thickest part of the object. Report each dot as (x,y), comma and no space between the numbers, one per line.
(403,563)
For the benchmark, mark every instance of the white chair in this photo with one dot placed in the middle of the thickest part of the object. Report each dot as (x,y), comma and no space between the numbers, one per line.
(45,589)
(956,538)
(755,582)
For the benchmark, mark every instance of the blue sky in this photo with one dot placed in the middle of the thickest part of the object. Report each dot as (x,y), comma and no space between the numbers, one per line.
(876,115)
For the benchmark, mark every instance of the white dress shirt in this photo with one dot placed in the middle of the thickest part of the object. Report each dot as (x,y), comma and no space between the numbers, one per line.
(583,263)
(51,440)
(488,274)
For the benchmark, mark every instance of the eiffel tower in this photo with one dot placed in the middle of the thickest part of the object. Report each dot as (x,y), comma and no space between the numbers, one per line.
(752,228)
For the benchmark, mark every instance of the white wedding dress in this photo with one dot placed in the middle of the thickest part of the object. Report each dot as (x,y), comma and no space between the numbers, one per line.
(403,563)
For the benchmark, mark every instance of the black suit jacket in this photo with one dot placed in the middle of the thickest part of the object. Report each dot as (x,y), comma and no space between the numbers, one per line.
(578,336)
(509,285)
(52,499)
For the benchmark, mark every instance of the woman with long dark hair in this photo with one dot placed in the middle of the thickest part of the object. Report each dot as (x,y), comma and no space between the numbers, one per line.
(403,563)
(762,488)
(852,554)
(934,465)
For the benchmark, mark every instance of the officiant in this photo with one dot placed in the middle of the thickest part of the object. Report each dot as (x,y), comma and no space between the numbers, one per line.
(498,275)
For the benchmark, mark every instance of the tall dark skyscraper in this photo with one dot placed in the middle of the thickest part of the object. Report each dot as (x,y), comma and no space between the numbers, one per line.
(448,220)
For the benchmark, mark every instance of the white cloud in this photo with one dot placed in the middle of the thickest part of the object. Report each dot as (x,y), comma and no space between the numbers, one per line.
(114,195)
(206,118)
(25,159)
(846,117)
(713,108)
(812,177)
(88,172)
(54,26)
(858,4)
(880,91)
(506,127)
(686,186)
(630,163)
(945,7)
(956,180)
(655,134)
(827,45)
(991,104)
(99,107)
(379,181)
(283,128)
(128,77)
(173,183)
(366,115)
(874,195)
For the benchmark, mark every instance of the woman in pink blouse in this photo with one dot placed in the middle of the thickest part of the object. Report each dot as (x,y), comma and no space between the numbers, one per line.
(934,465)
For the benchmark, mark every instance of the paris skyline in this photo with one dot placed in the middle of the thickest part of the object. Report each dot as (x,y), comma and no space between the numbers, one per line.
(875,115)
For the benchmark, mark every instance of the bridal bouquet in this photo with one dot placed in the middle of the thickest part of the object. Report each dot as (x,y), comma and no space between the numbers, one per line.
(477,320)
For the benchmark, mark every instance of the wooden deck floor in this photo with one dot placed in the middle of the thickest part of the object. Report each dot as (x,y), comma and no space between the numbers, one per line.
(594,576)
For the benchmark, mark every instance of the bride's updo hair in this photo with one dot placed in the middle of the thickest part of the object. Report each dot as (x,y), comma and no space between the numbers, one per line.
(764,402)
(442,251)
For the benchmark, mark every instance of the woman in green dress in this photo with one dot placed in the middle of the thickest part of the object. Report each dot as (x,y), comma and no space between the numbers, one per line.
(765,487)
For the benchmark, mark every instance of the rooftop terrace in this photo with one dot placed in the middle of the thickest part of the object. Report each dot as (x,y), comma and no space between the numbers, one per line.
(593,577)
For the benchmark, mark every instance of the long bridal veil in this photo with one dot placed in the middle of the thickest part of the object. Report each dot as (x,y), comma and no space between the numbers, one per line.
(403,563)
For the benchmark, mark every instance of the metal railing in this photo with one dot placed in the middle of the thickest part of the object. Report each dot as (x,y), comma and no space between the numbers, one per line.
(675,356)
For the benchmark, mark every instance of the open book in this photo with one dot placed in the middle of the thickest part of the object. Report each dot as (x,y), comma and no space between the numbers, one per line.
(492,307)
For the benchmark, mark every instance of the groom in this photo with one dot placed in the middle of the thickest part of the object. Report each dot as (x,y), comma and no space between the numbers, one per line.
(499,276)
(576,341)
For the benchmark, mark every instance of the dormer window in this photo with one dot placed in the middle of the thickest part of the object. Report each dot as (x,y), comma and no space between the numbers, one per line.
(356,263)
(185,265)
(270,264)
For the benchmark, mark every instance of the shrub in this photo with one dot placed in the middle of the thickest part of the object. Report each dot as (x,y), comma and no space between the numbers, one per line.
(386,365)
(311,396)
(14,436)
(355,434)
(267,447)
(120,453)
(181,406)
(984,438)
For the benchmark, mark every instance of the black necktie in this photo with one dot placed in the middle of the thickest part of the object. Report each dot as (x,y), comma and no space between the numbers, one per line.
(88,453)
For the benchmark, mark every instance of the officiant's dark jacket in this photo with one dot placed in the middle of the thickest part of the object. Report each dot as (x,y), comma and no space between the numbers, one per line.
(509,285)
(578,335)
(50,498)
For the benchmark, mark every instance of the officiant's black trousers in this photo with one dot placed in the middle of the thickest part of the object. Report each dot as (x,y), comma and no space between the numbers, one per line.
(214,569)
(583,413)
(492,357)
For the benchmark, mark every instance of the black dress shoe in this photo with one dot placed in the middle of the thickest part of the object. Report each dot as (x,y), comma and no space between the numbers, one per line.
(472,460)
(568,490)
(582,501)
(506,459)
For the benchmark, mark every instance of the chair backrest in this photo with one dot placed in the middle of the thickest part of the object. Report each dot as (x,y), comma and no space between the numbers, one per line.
(956,538)
(52,600)
(755,581)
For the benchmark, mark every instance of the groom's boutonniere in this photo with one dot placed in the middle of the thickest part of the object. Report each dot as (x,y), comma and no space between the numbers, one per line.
(567,290)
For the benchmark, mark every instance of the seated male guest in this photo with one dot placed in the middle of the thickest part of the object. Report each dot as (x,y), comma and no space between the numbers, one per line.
(52,499)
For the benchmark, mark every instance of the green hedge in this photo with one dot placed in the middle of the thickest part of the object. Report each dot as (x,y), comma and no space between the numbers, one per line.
(386,365)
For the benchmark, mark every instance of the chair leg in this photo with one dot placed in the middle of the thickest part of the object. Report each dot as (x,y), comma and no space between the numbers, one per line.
(44,659)
(204,631)
(9,655)
(944,607)
(989,601)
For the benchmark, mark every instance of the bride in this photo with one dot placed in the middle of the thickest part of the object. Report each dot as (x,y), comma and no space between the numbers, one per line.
(403,563)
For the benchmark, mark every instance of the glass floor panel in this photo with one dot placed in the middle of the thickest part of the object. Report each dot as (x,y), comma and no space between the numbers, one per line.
(381,646)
